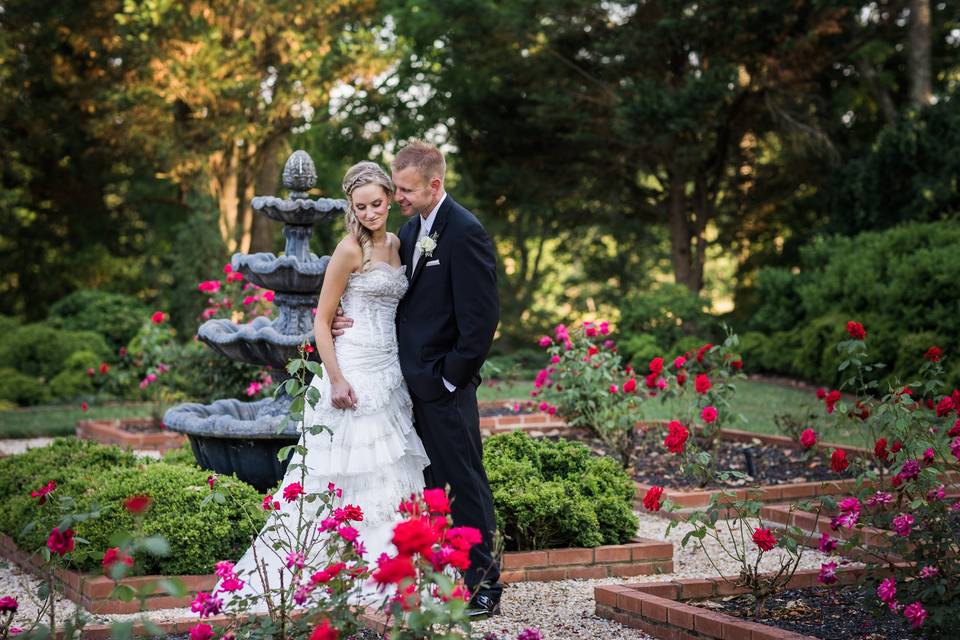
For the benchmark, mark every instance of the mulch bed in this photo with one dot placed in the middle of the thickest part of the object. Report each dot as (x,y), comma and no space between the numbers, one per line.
(820,612)
(772,464)
(141,427)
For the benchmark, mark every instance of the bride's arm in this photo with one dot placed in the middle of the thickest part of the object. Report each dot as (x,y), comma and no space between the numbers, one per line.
(346,259)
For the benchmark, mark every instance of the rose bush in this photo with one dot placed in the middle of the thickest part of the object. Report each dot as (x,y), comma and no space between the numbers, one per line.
(908,487)
(586,384)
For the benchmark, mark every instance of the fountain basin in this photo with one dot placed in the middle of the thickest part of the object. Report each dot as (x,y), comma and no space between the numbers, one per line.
(300,211)
(284,273)
(234,437)
(258,342)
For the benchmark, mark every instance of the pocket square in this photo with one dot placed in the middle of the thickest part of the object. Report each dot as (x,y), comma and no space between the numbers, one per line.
(433,263)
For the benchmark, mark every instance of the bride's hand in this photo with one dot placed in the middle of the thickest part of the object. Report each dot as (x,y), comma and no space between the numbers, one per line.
(342,395)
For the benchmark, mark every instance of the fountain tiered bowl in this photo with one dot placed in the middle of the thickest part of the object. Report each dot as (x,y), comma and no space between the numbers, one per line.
(230,436)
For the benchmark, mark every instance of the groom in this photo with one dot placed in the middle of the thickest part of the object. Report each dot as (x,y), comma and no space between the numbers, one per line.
(445,325)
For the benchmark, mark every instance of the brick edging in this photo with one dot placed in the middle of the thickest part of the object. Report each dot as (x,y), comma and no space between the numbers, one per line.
(109,431)
(643,556)
(658,608)
(92,591)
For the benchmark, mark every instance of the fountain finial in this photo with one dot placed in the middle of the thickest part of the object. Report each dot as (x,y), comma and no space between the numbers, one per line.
(299,174)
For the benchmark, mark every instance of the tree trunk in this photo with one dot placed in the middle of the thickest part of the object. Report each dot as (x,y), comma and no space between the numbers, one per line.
(879,91)
(680,233)
(270,165)
(224,185)
(918,59)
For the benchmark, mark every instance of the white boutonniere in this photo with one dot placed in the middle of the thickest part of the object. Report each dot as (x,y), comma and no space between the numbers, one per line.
(428,244)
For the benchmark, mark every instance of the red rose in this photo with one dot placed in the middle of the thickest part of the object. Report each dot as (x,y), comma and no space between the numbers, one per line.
(351,512)
(137,504)
(113,556)
(158,317)
(895,447)
(764,539)
(703,350)
(9,604)
(630,385)
(676,438)
(831,400)
(414,536)
(681,378)
(656,365)
(945,406)
(709,414)
(933,354)
(393,570)
(324,632)
(880,449)
(269,504)
(737,364)
(651,501)
(863,411)
(955,431)
(838,461)
(43,492)
(84,406)
(808,438)
(702,383)
(463,538)
(592,350)
(856,331)
(104,367)
(60,542)
(292,491)
(821,393)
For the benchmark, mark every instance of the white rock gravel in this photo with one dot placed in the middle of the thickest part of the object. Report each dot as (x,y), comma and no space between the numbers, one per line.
(12,446)
(562,610)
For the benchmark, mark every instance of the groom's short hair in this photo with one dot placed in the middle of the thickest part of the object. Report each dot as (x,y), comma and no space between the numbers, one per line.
(424,156)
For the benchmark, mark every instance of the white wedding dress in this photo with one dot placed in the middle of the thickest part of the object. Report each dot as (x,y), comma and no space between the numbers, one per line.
(373,454)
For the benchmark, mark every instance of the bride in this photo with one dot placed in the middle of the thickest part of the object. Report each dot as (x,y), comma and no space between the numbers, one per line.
(370,449)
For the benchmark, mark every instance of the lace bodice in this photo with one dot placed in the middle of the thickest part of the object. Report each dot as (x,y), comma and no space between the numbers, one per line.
(371,299)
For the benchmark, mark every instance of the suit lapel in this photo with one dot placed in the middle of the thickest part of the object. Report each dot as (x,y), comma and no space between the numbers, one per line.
(438,224)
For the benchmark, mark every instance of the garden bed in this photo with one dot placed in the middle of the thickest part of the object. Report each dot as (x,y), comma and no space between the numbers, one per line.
(669,610)
(133,433)
(819,612)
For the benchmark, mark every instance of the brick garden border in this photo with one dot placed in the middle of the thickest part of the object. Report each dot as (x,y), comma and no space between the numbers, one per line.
(110,431)
(92,592)
(641,557)
(658,608)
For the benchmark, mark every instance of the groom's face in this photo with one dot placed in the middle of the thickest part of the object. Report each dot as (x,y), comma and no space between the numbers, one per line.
(417,194)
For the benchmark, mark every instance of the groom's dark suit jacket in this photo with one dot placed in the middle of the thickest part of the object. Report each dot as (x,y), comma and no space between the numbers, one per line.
(447,319)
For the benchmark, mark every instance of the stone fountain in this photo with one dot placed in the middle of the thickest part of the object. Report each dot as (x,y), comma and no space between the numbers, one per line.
(231,436)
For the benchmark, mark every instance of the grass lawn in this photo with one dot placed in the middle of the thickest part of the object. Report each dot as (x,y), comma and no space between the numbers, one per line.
(60,420)
(758,402)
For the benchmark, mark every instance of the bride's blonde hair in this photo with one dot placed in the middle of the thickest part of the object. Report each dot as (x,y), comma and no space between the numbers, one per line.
(359,175)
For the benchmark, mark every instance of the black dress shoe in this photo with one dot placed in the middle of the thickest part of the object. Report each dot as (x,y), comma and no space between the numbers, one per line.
(483,605)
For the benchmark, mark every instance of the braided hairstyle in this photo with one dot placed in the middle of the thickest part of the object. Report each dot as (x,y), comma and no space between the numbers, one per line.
(359,175)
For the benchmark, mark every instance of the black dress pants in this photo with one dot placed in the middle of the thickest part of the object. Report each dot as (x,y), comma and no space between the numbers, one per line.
(450,430)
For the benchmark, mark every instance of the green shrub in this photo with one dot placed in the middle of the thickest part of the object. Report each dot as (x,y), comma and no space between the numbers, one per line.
(41,350)
(115,315)
(667,313)
(779,302)
(68,385)
(557,494)
(63,458)
(640,348)
(105,476)
(21,389)
(181,455)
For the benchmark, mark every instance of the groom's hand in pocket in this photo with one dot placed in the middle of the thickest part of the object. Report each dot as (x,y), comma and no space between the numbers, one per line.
(340,323)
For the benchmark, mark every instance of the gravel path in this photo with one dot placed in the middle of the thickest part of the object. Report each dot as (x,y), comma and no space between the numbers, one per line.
(13,446)
(562,610)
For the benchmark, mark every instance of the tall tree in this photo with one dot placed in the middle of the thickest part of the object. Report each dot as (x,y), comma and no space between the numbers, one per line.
(216,88)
